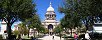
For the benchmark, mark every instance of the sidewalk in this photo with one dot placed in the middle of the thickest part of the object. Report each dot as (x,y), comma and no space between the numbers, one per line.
(51,38)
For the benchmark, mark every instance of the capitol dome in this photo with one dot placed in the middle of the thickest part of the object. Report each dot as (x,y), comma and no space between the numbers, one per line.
(50,8)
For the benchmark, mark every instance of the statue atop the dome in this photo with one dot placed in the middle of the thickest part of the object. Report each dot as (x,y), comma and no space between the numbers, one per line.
(50,4)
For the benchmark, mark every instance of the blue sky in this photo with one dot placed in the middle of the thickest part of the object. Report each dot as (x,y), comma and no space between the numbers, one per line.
(42,5)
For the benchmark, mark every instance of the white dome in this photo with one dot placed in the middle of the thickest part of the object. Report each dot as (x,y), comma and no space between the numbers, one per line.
(50,8)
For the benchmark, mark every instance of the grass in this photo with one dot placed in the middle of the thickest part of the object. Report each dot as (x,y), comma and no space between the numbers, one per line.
(36,36)
(25,37)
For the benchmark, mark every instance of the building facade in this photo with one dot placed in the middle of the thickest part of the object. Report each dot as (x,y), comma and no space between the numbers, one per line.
(97,27)
(3,27)
(50,21)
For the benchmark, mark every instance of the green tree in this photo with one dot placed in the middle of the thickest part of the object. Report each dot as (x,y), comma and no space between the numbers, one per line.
(16,32)
(46,31)
(88,11)
(58,29)
(42,29)
(23,29)
(72,18)
(13,10)
(34,22)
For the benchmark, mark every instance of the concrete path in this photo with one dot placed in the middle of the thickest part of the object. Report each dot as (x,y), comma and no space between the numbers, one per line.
(51,38)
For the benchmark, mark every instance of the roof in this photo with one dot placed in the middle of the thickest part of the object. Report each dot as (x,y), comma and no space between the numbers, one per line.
(50,8)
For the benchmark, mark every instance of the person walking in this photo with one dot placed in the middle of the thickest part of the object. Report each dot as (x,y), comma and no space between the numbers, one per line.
(53,37)
(75,36)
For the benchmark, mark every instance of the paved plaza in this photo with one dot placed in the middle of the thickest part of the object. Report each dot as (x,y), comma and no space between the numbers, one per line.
(49,37)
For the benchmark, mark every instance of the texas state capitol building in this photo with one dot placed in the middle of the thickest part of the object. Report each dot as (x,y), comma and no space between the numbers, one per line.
(50,21)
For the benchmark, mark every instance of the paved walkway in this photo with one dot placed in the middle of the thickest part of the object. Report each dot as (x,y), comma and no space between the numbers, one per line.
(51,38)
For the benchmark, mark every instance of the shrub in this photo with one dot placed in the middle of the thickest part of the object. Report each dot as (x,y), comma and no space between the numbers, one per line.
(1,37)
(16,32)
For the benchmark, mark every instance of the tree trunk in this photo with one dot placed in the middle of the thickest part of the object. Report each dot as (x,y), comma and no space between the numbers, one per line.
(71,31)
(9,30)
(28,32)
(60,35)
(34,32)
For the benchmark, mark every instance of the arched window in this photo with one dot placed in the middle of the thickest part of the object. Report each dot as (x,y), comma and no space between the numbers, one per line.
(50,26)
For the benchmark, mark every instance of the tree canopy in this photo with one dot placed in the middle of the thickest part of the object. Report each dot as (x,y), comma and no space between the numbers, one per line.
(58,29)
(13,10)
(71,18)
(34,22)
(81,11)
(22,29)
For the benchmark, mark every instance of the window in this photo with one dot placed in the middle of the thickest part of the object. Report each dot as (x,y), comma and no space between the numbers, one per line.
(0,28)
(97,25)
